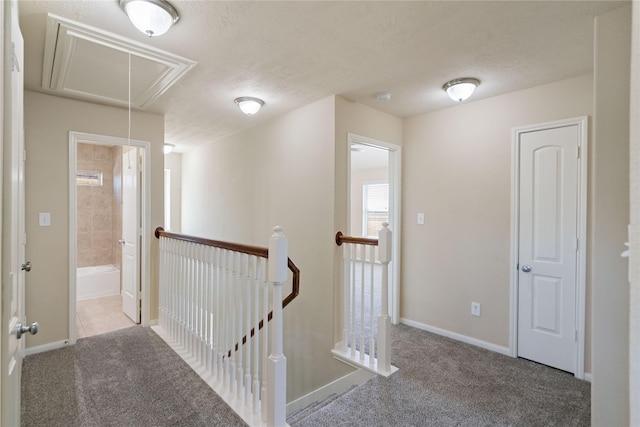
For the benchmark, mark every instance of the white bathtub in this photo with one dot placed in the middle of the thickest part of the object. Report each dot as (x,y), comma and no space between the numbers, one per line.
(98,281)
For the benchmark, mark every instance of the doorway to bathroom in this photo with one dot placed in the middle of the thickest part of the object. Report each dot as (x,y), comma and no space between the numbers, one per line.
(108,187)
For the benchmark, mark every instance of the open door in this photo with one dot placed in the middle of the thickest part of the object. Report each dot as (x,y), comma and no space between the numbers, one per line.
(374,192)
(14,265)
(131,291)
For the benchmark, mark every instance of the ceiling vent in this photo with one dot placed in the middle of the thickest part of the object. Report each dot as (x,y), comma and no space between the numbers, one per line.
(88,63)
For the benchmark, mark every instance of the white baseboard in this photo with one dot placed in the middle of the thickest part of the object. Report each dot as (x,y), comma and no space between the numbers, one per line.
(458,337)
(46,347)
(587,376)
(354,378)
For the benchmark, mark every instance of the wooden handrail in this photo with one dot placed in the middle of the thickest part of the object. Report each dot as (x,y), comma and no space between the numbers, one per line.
(246,249)
(236,247)
(341,238)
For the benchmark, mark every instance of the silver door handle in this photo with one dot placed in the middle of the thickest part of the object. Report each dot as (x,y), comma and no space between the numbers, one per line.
(22,329)
(526,268)
(122,241)
(26,266)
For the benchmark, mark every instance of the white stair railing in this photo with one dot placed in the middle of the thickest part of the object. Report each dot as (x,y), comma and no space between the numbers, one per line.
(366,321)
(214,305)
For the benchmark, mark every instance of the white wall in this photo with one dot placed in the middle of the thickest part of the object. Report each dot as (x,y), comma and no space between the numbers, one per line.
(281,173)
(610,214)
(173,162)
(48,121)
(457,170)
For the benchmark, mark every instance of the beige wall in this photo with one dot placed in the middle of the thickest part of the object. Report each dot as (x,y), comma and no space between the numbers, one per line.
(281,173)
(48,121)
(173,162)
(610,214)
(457,170)
(351,117)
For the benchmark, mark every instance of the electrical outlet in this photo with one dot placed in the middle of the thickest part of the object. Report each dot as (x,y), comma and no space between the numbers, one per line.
(475,309)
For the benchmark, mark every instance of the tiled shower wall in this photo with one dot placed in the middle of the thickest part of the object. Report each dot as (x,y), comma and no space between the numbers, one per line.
(99,216)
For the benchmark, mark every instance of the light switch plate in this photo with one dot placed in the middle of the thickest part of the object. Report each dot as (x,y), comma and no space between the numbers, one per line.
(420,218)
(44,219)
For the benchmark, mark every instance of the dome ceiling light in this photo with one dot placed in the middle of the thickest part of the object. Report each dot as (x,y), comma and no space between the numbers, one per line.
(461,89)
(152,17)
(249,105)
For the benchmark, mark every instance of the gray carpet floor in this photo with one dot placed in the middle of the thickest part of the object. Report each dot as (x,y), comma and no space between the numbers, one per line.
(124,378)
(132,378)
(442,382)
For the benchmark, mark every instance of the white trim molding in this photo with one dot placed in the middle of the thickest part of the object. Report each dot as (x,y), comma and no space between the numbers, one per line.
(456,336)
(339,385)
(46,347)
(582,123)
(395,203)
(145,250)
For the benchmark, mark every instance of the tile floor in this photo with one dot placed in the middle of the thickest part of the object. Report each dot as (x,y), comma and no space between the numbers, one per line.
(99,316)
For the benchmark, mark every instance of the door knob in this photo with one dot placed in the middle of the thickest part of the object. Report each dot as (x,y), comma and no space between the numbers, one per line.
(23,329)
(526,268)
(122,241)
(26,266)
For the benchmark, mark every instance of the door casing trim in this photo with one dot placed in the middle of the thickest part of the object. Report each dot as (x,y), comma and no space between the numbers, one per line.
(582,122)
(395,224)
(145,249)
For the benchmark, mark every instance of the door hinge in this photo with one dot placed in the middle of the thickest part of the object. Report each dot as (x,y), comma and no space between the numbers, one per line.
(575,335)
(24,238)
(577,243)
(578,153)
(24,155)
(13,56)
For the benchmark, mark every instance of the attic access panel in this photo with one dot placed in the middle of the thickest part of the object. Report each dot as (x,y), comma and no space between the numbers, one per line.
(87,63)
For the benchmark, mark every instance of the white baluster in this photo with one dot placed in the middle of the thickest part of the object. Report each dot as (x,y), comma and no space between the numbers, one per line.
(225,319)
(216,313)
(277,372)
(162,284)
(352,311)
(264,394)
(181,295)
(240,325)
(384,321)
(202,311)
(372,257)
(363,259)
(256,337)
(248,287)
(208,326)
(346,291)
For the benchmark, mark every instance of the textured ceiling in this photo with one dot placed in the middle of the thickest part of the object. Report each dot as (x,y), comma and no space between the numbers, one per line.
(293,53)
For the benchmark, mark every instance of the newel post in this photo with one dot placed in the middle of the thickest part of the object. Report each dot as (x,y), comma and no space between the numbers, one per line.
(384,321)
(277,364)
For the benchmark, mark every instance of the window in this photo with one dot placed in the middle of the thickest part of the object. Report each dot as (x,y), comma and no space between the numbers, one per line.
(89,178)
(375,210)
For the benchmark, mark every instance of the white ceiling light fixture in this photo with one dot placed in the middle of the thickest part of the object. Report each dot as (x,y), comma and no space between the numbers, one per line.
(383,96)
(152,17)
(461,89)
(168,148)
(249,105)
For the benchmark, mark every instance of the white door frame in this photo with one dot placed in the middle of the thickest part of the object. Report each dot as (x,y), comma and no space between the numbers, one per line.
(395,173)
(145,250)
(582,123)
